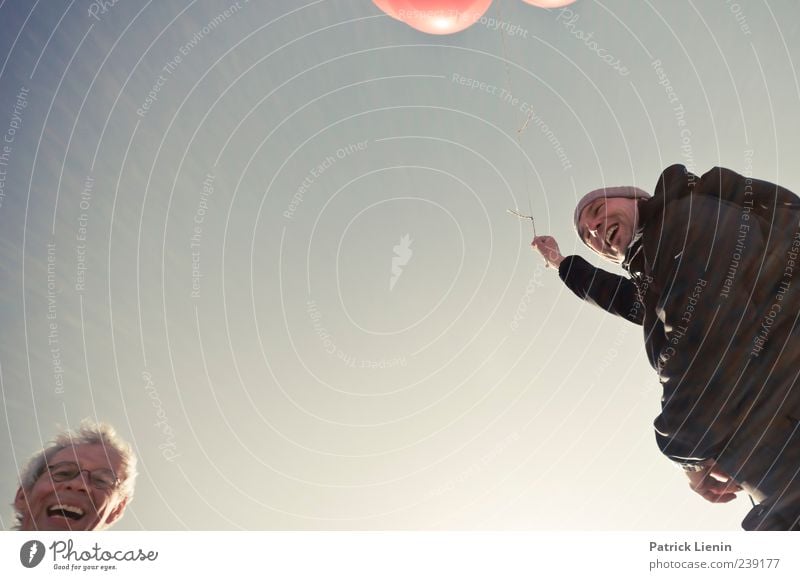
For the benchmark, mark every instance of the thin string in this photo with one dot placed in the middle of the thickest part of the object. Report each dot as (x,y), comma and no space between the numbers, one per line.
(524,126)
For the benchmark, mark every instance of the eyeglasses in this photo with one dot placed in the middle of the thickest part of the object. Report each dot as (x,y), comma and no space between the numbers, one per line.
(69,470)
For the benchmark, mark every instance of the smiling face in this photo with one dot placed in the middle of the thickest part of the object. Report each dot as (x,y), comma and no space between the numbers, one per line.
(75,504)
(607,226)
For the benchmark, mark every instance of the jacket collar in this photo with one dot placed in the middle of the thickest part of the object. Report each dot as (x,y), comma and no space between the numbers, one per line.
(646,208)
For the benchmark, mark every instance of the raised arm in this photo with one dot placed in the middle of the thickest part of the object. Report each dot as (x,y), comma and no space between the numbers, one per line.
(614,294)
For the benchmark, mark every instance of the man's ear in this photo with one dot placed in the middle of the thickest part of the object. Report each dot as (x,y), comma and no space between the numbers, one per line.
(20,502)
(117,512)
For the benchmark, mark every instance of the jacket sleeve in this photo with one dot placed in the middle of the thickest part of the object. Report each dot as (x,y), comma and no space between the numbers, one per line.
(739,188)
(612,293)
(710,302)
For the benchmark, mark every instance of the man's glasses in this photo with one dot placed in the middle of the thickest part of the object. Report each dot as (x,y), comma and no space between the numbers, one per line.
(69,470)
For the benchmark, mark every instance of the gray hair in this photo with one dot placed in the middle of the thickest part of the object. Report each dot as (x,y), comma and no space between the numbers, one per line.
(88,433)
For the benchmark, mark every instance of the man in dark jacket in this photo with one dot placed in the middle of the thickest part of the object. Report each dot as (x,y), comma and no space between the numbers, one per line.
(712,264)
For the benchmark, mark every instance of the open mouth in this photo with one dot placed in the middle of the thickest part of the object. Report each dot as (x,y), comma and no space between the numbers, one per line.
(611,233)
(65,511)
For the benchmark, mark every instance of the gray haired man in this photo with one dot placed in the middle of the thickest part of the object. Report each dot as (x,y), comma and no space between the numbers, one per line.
(81,481)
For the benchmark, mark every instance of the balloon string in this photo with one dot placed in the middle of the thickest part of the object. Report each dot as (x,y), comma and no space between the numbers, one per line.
(527,120)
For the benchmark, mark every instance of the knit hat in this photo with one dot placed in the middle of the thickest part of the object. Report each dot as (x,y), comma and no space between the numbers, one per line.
(627,191)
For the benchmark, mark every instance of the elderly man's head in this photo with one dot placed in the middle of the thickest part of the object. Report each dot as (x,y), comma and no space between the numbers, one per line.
(81,481)
(606,220)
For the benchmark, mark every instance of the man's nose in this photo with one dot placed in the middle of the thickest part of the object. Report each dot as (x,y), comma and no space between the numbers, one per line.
(597,227)
(78,483)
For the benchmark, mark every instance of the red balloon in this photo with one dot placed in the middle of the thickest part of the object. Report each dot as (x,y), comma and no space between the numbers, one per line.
(436,16)
(549,3)
(388,7)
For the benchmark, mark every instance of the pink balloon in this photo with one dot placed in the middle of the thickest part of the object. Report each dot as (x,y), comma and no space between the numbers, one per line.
(388,7)
(549,3)
(436,16)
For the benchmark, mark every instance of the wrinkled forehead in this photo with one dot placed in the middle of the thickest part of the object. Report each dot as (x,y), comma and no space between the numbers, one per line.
(90,456)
